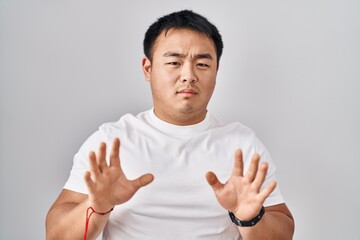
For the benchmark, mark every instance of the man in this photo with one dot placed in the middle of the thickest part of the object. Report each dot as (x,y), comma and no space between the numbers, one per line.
(201,179)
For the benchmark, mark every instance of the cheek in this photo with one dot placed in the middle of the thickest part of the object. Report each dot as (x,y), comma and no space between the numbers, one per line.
(165,76)
(163,88)
(209,88)
(209,75)
(209,81)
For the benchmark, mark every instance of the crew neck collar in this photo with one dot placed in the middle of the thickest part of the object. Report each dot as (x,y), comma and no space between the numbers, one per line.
(177,130)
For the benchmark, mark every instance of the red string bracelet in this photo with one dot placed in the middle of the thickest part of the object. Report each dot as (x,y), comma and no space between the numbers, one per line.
(89,215)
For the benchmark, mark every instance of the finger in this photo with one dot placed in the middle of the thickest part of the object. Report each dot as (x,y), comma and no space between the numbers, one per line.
(142,181)
(114,155)
(93,167)
(238,169)
(267,191)
(260,176)
(253,168)
(101,157)
(213,181)
(89,183)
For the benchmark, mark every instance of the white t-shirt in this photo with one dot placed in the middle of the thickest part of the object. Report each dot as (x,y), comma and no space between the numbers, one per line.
(179,203)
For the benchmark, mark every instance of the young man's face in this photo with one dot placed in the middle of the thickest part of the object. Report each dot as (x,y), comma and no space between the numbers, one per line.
(182,75)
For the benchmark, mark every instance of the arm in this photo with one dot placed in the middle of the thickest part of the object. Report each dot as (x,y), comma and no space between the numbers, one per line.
(277,223)
(66,218)
(241,195)
(107,186)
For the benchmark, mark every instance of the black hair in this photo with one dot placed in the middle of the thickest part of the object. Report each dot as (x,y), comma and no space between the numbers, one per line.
(185,19)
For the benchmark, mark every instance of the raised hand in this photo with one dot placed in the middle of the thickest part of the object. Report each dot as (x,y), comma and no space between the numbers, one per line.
(107,184)
(241,193)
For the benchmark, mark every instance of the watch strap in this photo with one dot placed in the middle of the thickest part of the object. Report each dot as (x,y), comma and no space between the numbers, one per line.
(249,223)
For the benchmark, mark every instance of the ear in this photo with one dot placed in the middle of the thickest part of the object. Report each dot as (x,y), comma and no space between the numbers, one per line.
(146,67)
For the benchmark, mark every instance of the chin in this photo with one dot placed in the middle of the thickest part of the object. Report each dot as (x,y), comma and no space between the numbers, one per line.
(186,109)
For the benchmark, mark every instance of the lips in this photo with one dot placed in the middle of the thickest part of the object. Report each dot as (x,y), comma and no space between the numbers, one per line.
(187,91)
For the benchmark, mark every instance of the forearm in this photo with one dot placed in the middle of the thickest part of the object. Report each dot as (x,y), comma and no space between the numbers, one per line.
(67,221)
(273,226)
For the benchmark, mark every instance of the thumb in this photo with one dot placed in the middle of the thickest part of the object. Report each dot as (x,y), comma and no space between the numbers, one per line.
(143,180)
(213,181)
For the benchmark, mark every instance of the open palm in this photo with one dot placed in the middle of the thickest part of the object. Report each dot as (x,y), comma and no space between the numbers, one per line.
(107,184)
(241,193)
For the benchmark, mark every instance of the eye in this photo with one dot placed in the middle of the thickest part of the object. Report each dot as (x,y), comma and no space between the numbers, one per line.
(202,65)
(173,63)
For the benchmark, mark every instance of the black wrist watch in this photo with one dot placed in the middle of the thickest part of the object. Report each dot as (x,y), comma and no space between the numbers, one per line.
(249,223)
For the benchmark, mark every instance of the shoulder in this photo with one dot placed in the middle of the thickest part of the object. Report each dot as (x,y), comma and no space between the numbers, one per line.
(235,128)
(127,121)
(109,130)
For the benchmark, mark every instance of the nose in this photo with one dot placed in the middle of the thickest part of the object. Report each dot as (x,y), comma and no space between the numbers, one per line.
(188,74)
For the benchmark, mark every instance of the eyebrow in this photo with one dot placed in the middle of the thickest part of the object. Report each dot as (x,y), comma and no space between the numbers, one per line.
(197,56)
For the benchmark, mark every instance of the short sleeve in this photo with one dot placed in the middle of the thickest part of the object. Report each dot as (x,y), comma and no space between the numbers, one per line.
(76,181)
(275,197)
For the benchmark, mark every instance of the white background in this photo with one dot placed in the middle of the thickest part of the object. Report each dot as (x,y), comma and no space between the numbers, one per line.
(290,71)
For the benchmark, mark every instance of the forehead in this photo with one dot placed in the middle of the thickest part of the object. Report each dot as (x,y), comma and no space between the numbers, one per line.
(183,41)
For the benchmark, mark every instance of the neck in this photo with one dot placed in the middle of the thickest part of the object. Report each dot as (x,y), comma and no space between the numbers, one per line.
(181,118)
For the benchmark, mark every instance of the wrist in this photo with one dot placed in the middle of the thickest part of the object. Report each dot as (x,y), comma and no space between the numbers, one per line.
(100,207)
(247,223)
(90,211)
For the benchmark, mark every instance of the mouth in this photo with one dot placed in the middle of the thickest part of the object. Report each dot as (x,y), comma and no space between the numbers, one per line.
(187,92)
